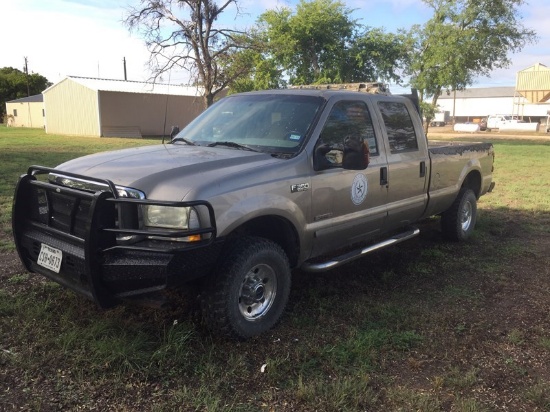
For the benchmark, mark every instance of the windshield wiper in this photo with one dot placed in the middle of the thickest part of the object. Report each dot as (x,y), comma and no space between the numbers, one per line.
(183,139)
(233,144)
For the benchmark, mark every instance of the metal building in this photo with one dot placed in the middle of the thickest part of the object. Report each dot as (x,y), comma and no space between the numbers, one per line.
(529,99)
(26,112)
(532,87)
(109,108)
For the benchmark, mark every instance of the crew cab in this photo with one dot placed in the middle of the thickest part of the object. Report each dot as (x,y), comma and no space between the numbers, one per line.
(259,184)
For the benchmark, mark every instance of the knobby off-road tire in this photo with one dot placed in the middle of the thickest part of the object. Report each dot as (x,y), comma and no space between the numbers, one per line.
(248,292)
(458,222)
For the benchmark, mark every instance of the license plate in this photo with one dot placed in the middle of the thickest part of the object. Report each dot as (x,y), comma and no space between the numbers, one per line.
(50,258)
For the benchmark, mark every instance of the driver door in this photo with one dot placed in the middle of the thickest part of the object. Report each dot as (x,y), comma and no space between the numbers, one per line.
(348,206)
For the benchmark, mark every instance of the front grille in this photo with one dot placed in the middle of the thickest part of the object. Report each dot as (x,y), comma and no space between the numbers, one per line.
(68,214)
(65,210)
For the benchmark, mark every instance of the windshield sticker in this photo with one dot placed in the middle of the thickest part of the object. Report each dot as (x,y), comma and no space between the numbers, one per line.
(359,189)
(295,136)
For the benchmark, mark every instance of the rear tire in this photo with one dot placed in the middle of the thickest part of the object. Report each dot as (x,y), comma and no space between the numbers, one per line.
(247,294)
(458,222)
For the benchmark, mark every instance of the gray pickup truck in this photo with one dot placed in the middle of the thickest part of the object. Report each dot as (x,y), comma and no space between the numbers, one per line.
(258,185)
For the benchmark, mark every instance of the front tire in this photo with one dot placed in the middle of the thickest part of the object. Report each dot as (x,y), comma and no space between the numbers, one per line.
(458,222)
(248,292)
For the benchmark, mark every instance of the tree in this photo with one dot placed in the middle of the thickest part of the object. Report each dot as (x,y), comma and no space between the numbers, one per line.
(264,73)
(375,55)
(321,43)
(13,85)
(311,43)
(464,39)
(183,33)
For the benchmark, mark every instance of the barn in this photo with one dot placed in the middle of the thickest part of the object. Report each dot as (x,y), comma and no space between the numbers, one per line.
(118,108)
(26,112)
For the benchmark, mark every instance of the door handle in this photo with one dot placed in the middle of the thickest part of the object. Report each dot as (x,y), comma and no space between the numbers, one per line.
(422,168)
(383,176)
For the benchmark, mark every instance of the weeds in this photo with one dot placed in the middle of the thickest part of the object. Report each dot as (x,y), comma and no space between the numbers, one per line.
(18,279)
(515,337)
(460,380)
(544,342)
(539,395)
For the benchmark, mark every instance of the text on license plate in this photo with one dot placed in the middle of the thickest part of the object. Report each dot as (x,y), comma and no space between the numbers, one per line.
(50,258)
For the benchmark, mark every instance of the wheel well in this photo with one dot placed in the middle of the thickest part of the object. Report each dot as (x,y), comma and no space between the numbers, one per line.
(276,229)
(473,181)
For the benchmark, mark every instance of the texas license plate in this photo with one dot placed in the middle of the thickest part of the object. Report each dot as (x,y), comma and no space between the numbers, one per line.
(50,258)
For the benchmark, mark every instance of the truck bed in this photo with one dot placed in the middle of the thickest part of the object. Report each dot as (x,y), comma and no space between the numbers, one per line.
(450,162)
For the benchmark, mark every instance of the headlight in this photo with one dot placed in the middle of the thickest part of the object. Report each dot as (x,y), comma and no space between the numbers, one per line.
(170,217)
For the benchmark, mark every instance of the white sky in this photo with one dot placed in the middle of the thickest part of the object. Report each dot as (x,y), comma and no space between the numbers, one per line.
(87,37)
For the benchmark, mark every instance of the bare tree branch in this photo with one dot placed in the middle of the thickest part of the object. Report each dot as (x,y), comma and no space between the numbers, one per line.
(182,33)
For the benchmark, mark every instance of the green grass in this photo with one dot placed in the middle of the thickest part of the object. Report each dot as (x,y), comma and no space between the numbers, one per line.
(425,325)
(22,147)
(531,163)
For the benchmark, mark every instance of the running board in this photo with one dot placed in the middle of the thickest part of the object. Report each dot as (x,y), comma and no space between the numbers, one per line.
(356,254)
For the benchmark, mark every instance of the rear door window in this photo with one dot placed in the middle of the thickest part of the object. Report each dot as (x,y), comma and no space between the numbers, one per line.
(399,127)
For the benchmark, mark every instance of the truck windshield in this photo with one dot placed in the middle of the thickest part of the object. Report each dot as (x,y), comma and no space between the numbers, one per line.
(271,123)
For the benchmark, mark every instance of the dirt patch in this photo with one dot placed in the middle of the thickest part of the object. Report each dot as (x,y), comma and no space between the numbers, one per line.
(10,265)
(448,133)
(499,354)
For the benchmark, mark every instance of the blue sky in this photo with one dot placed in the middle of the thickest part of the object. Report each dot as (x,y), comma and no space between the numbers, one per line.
(87,37)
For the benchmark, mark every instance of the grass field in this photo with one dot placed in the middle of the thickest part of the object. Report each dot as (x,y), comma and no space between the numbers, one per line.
(21,147)
(423,326)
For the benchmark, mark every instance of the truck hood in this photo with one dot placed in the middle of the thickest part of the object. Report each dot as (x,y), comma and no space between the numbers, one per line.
(168,171)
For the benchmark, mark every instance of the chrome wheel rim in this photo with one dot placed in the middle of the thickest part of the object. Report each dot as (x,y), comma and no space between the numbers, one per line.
(257,292)
(467,215)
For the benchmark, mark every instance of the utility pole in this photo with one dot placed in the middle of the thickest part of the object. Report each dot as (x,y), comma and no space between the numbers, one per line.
(28,91)
(454,105)
(124,63)
(27,77)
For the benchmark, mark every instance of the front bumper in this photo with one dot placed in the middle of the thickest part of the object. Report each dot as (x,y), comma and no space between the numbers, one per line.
(89,227)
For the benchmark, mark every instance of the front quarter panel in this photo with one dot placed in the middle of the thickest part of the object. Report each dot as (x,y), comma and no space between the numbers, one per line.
(281,189)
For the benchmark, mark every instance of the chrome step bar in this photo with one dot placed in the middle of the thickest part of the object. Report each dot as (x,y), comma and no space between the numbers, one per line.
(356,254)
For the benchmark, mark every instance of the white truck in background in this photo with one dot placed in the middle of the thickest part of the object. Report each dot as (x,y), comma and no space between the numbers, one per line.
(496,121)
(441,119)
(510,123)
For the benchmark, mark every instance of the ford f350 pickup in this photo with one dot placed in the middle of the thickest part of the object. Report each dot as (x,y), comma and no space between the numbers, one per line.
(259,184)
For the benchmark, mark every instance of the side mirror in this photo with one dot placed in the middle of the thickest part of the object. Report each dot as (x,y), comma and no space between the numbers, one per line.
(356,154)
(326,157)
(174,132)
